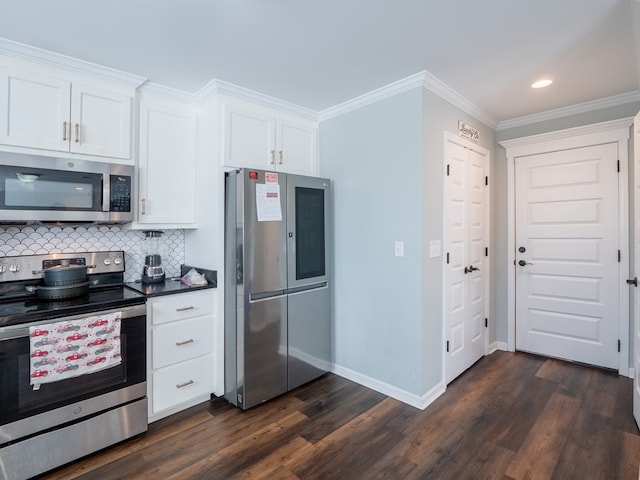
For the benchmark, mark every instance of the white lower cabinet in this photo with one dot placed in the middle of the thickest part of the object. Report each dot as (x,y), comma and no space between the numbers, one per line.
(180,358)
(181,383)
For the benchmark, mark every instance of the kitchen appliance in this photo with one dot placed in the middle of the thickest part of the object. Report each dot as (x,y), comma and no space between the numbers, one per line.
(153,271)
(46,189)
(277,295)
(45,427)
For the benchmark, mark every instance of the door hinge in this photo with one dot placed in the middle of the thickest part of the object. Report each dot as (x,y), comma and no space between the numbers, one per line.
(447,169)
(447,345)
(619,255)
(447,258)
(619,345)
(486,323)
(486,251)
(486,181)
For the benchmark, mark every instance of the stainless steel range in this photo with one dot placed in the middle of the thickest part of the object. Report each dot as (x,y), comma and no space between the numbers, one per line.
(45,425)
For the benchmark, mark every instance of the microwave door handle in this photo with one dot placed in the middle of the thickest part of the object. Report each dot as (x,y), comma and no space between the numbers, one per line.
(106,184)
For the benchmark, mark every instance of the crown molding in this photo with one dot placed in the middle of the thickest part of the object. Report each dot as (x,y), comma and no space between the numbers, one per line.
(613,101)
(168,93)
(441,89)
(422,79)
(603,132)
(373,96)
(220,87)
(38,55)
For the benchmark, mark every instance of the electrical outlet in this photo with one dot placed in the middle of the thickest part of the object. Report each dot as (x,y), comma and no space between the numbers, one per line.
(399,248)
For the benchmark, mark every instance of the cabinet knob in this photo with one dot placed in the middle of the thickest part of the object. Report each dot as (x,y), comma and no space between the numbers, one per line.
(143,203)
(64,131)
(77,133)
(280,152)
(184,342)
(273,157)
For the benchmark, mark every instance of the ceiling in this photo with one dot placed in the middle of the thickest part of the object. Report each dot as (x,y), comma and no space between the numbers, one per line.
(318,54)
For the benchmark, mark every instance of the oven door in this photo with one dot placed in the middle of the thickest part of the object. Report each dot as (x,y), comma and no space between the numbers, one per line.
(25,411)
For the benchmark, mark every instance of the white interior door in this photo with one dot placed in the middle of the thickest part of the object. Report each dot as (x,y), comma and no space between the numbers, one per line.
(466,268)
(567,282)
(636,268)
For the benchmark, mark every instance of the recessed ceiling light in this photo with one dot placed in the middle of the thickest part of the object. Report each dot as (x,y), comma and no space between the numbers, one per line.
(542,83)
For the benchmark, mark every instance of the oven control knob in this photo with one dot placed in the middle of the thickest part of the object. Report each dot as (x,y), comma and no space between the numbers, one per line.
(117,261)
(3,268)
(14,267)
(107,261)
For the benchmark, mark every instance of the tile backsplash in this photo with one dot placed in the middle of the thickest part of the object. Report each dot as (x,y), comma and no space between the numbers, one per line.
(41,239)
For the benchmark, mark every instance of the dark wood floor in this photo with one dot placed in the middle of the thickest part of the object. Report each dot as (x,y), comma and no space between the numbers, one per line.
(511,416)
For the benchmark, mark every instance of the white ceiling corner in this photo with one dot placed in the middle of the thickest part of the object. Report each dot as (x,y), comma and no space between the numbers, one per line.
(324,56)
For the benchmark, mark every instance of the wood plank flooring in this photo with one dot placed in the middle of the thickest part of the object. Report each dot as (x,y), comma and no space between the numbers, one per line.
(511,416)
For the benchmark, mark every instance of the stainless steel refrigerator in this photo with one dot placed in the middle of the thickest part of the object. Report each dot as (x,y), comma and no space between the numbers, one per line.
(277,284)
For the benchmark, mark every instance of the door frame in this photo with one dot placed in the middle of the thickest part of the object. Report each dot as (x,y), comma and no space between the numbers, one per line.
(450,137)
(616,131)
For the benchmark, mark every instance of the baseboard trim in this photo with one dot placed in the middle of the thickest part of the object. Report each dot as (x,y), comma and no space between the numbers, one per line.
(403,396)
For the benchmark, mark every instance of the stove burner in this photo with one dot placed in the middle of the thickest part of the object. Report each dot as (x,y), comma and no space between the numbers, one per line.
(106,290)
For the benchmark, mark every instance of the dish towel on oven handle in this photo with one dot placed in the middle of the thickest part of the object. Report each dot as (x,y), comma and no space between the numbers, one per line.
(71,348)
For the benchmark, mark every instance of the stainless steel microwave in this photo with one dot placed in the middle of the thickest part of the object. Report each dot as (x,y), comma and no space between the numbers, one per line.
(36,188)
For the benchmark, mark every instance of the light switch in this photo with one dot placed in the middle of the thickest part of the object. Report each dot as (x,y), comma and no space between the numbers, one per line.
(399,248)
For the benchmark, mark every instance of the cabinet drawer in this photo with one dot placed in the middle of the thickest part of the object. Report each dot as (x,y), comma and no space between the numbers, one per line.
(179,341)
(180,383)
(179,306)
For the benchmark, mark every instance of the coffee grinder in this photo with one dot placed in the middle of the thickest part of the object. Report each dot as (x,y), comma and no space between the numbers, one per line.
(152,271)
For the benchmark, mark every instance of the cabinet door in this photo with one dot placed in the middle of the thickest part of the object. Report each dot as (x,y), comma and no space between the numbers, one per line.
(167,165)
(100,122)
(248,138)
(297,146)
(35,110)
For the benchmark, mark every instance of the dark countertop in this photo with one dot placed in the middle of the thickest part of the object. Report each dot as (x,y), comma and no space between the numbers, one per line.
(173,285)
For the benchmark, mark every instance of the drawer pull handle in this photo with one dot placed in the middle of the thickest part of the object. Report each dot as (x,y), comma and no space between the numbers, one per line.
(185,342)
(184,309)
(185,384)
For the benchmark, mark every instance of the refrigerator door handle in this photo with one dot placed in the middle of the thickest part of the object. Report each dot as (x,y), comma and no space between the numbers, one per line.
(256,297)
(305,288)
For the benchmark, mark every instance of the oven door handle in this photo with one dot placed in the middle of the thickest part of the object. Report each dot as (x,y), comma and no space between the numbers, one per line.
(22,330)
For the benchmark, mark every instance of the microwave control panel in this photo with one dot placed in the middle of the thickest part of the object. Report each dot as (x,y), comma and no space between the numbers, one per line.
(120,193)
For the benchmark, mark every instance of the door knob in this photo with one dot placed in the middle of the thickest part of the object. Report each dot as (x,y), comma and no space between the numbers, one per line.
(522,263)
(522,249)
(470,269)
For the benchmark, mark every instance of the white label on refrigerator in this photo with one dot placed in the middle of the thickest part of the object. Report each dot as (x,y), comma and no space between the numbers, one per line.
(268,202)
(270,177)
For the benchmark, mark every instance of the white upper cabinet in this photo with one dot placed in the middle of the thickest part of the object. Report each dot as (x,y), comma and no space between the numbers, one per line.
(265,139)
(53,113)
(167,165)
(100,122)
